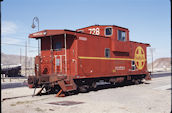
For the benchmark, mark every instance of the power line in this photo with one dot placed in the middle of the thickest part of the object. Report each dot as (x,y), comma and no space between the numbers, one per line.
(19,45)
(5,38)
(14,35)
(152,52)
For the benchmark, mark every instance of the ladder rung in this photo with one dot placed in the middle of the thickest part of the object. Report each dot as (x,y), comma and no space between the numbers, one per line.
(68,85)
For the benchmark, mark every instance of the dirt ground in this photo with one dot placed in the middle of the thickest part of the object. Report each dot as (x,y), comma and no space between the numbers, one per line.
(150,97)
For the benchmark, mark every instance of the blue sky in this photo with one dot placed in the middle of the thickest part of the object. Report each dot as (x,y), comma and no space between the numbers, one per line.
(147,20)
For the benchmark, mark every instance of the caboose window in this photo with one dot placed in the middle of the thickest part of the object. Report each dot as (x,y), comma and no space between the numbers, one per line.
(108,31)
(107,52)
(121,35)
(133,66)
(58,46)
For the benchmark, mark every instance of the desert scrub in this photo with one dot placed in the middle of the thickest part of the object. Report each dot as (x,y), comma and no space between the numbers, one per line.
(39,109)
(13,105)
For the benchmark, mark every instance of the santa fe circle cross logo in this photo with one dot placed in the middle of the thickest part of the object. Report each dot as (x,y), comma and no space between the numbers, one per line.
(139,58)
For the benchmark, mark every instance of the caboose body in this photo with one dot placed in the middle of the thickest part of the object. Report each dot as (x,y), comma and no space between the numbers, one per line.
(78,59)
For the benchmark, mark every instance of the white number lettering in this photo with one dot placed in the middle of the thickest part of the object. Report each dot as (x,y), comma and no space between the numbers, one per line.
(94,31)
(90,31)
(97,31)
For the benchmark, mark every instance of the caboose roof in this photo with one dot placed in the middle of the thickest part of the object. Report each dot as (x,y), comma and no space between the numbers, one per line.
(45,33)
(141,43)
(105,25)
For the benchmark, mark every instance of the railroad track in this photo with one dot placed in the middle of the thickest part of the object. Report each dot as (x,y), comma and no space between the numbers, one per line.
(160,75)
(14,97)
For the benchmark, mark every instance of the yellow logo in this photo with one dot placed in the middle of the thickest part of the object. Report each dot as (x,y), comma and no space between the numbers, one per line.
(139,57)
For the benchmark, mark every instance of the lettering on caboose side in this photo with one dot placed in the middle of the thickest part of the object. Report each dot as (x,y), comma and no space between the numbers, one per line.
(83,38)
(39,34)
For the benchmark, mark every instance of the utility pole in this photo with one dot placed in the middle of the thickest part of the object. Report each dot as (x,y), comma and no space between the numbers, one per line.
(20,56)
(0,25)
(26,58)
(36,19)
(152,51)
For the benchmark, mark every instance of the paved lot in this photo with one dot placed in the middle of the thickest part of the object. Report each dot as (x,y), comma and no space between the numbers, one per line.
(13,82)
(150,97)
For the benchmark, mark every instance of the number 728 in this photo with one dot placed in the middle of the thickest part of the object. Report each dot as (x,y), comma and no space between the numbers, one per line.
(94,31)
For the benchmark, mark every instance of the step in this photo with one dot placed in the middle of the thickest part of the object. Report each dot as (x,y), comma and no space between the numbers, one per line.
(68,84)
(67,81)
(69,87)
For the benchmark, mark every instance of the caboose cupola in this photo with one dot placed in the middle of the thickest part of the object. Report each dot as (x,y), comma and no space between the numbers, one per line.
(119,35)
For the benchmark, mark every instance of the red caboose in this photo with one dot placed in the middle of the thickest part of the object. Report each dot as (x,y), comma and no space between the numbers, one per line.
(71,60)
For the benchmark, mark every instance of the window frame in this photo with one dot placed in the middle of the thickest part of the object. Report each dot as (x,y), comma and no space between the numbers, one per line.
(133,65)
(121,35)
(108,53)
(105,31)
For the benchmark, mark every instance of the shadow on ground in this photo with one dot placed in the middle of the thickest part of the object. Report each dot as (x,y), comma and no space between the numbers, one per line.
(99,87)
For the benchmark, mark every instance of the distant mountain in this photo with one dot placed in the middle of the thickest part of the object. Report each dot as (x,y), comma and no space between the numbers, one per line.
(160,64)
(9,60)
(15,59)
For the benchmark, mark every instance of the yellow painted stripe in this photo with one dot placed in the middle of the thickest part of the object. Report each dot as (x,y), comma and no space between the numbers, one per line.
(104,58)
